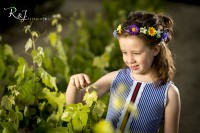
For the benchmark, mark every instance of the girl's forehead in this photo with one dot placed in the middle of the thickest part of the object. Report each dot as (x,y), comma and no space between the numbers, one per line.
(131,42)
(131,39)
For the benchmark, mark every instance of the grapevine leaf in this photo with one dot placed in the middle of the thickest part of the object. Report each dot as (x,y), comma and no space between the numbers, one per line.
(2,67)
(38,56)
(98,110)
(97,61)
(57,100)
(47,79)
(89,98)
(53,38)
(27,92)
(8,50)
(76,122)
(53,118)
(29,44)
(59,28)
(34,34)
(6,102)
(59,130)
(21,69)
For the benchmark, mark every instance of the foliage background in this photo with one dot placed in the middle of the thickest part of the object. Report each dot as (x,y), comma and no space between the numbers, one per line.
(82,32)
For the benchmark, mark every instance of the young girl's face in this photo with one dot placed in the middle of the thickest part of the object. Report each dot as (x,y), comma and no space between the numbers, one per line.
(136,54)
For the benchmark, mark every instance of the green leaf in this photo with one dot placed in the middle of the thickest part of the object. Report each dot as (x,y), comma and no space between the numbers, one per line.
(53,38)
(47,79)
(83,117)
(53,118)
(8,130)
(57,100)
(29,44)
(97,61)
(77,124)
(6,102)
(59,130)
(21,69)
(98,110)
(59,28)
(34,34)
(38,56)
(27,93)
(2,67)
(8,50)
(61,52)
(89,98)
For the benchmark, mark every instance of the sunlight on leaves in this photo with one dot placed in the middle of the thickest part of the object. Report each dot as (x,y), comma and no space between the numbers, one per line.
(89,98)
(103,126)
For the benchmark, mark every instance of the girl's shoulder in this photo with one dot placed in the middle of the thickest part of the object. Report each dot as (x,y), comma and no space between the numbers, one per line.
(173,91)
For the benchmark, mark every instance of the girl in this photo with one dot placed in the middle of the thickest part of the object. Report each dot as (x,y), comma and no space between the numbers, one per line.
(143,39)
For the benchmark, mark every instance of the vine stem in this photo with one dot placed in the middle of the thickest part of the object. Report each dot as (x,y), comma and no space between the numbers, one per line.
(2,125)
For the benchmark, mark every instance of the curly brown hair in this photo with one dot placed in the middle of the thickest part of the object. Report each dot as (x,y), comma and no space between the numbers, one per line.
(163,64)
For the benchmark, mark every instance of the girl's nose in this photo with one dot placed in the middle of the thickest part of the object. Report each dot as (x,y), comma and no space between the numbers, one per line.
(131,59)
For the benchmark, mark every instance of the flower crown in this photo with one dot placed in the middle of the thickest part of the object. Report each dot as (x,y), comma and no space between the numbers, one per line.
(135,30)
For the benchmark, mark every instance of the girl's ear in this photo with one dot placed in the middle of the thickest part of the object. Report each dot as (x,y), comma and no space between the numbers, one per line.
(156,50)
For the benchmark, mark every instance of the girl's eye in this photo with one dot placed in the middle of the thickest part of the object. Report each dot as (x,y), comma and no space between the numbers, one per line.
(124,52)
(136,53)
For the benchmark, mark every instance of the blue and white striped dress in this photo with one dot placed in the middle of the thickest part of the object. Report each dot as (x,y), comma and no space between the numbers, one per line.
(150,102)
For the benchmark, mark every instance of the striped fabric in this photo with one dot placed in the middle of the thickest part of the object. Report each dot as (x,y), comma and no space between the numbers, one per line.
(150,103)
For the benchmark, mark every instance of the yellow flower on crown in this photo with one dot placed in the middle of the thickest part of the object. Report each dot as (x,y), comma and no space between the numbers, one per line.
(119,29)
(151,31)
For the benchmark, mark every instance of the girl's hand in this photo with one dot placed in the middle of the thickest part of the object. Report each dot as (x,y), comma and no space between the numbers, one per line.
(79,80)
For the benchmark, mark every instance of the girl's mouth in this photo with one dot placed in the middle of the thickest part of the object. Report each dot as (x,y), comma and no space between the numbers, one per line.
(135,67)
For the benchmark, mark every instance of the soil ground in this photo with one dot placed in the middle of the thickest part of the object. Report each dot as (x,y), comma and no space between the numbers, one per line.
(185,45)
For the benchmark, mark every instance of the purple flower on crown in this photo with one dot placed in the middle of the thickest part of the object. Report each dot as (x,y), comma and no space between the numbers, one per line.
(165,36)
(115,33)
(133,29)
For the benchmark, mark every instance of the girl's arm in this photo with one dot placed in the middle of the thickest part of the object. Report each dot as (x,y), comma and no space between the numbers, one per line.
(79,82)
(172,111)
